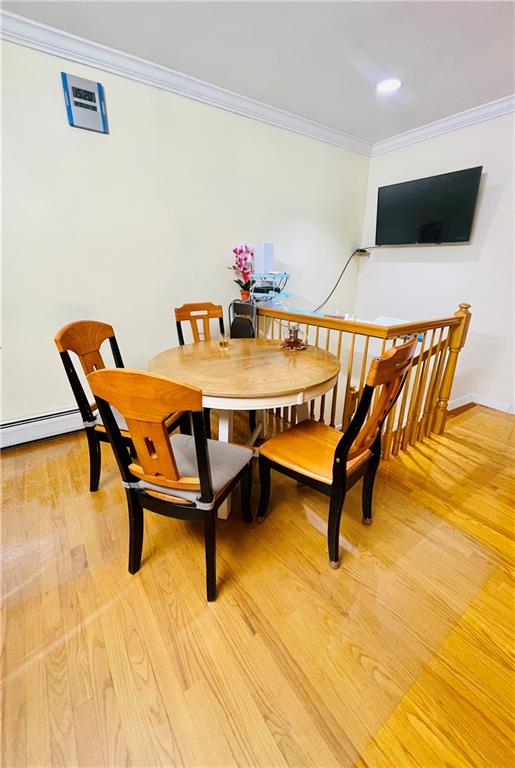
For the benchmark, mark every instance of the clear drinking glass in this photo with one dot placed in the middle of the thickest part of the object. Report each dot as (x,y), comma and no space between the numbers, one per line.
(224,340)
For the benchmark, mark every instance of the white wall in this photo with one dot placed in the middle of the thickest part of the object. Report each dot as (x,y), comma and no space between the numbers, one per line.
(428,281)
(124,227)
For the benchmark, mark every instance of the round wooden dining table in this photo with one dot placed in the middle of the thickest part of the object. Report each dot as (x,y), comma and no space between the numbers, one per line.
(252,374)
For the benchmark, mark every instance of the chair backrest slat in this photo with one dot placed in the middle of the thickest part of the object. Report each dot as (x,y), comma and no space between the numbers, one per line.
(195,314)
(146,401)
(388,372)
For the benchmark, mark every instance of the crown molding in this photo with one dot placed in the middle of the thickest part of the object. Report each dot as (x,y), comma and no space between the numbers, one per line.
(32,34)
(487,111)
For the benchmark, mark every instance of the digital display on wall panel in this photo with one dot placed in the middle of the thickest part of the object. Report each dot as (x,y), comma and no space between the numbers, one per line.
(437,209)
(85,103)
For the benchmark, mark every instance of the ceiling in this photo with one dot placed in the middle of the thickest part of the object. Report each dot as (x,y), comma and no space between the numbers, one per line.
(318,60)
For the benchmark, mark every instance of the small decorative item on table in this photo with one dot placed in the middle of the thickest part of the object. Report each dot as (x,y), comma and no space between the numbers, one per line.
(224,341)
(294,340)
(243,265)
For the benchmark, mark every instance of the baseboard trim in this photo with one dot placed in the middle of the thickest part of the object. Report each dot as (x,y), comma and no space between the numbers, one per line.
(39,427)
(476,399)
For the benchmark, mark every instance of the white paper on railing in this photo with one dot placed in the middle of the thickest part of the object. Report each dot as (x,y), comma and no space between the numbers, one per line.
(384,320)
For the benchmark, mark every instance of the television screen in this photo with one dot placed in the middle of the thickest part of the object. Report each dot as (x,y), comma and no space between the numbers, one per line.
(438,209)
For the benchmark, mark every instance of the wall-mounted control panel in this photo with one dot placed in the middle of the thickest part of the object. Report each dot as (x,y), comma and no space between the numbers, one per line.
(85,103)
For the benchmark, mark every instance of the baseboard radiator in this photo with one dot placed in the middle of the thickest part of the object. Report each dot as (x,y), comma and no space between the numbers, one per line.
(39,427)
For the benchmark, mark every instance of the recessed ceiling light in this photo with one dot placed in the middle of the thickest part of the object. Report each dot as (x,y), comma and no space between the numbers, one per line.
(388,86)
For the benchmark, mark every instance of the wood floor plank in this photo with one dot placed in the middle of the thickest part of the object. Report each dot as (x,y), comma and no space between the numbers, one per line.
(110,734)
(403,657)
(460,710)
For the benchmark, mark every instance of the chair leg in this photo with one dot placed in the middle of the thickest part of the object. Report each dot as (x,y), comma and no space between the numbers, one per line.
(185,424)
(207,422)
(264,482)
(95,459)
(135,531)
(368,490)
(246,489)
(210,545)
(333,526)
(252,421)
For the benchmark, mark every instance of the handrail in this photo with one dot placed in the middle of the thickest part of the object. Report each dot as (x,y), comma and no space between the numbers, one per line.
(355,326)
(422,407)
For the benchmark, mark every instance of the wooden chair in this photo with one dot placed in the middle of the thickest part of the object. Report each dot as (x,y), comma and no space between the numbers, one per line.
(181,476)
(329,462)
(199,316)
(85,338)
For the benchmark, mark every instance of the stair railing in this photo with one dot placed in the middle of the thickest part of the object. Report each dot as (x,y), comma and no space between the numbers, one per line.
(422,408)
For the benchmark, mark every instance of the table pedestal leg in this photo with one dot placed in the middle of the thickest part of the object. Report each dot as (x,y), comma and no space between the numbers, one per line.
(225,429)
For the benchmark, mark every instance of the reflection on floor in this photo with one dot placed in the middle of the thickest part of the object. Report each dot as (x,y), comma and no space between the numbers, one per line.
(400,658)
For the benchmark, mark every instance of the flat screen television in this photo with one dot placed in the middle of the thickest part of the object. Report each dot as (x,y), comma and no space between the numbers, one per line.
(438,209)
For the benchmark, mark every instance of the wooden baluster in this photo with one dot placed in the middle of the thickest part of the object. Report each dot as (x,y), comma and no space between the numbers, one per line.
(364,365)
(438,380)
(388,433)
(280,336)
(457,339)
(399,432)
(312,405)
(376,393)
(322,399)
(420,393)
(411,410)
(350,406)
(349,398)
(430,387)
(335,390)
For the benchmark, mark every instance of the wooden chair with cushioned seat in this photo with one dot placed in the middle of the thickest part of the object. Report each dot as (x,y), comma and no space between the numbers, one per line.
(182,476)
(323,458)
(85,338)
(199,316)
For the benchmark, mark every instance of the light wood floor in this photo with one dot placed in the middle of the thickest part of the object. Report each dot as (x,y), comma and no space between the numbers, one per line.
(401,658)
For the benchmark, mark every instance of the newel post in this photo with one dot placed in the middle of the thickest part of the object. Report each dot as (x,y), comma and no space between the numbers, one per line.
(457,337)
